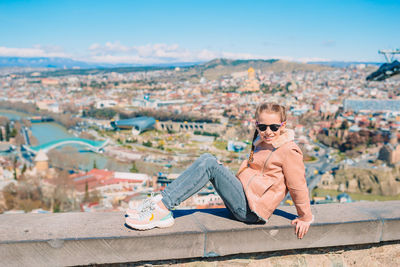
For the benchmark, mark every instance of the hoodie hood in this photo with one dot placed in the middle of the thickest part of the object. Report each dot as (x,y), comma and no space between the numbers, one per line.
(286,136)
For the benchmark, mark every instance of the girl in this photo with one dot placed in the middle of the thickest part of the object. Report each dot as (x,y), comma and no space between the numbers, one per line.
(275,166)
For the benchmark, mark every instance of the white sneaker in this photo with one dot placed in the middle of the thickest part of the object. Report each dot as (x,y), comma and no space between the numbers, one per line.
(150,216)
(134,211)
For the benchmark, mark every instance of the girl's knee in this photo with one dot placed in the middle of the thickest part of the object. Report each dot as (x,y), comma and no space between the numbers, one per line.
(206,156)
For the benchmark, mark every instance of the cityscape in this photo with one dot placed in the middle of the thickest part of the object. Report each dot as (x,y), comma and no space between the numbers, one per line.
(104,141)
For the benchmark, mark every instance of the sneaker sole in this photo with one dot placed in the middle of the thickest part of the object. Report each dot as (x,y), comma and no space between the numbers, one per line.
(160,224)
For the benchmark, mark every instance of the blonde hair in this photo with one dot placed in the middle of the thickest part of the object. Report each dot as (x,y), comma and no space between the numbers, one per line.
(266,107)
(271,107)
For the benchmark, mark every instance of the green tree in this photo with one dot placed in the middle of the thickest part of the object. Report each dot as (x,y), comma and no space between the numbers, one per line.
(94,164)
(86,197)
(56,207)
(148,143)
(106,113)
(134,168)
(13,133)
(287,86)
(344,125)
(7,132)
(23,169)
(1,135)
(15,168)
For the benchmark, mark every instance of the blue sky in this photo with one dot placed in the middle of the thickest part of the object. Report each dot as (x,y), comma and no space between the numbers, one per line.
(177,31)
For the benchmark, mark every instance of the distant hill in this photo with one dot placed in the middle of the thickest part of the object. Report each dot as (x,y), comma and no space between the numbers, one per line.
(44,62)
(344,64)
(67,63)
(99,70)
(211,70)
(220,67)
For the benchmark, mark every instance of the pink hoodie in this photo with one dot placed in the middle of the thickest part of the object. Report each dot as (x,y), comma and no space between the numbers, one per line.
(266,186)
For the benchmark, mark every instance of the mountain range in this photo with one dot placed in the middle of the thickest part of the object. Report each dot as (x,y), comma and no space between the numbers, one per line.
(67,63)
(210,70)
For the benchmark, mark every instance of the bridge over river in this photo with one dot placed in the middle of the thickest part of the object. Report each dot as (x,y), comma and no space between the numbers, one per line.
(95,146)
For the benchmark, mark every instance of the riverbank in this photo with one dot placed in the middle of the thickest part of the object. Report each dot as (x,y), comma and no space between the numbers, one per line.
(67,120)
(70,156)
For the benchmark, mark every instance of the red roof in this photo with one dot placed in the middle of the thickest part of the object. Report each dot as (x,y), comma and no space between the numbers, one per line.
(93,178)
(96,178)
(101,174)
(119,180)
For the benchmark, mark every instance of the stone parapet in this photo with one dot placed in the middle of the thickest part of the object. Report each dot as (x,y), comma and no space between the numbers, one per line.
(97,238)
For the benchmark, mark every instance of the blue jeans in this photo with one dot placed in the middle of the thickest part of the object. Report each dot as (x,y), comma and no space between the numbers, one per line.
(205,169)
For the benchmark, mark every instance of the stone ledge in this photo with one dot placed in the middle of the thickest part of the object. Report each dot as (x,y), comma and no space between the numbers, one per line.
(87,238)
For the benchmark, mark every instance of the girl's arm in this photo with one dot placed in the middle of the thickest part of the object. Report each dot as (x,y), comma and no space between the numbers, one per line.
(294,172)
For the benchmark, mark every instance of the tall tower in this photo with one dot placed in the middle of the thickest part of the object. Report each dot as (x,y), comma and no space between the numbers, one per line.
(251,84)
(251,74)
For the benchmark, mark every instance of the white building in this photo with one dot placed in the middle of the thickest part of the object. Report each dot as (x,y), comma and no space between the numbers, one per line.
(106,104)
(151,103)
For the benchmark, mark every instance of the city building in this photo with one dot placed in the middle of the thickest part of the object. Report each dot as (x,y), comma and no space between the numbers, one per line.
(371,105)
(137,125)
(390,152)
(327,182)
(189,126)
(251,84)
(106,104)
(156,103)
(236,146)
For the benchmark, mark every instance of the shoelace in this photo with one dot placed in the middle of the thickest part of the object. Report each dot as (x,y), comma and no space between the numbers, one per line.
(142,205)
(147,210)
(145,203)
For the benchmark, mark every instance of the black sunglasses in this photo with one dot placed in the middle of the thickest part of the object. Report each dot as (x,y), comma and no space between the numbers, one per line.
(273,127)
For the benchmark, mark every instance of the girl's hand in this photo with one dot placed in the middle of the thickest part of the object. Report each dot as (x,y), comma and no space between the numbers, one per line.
(301,227)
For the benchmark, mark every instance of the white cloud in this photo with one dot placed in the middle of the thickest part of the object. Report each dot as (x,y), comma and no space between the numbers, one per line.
(94,47)
(155,53)
(302,59)
(115,52)
(36,51)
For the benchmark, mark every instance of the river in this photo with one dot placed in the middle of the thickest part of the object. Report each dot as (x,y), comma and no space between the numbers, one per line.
(49,131)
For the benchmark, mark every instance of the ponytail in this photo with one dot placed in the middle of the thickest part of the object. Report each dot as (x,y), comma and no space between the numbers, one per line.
(252,146)
(251,154)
